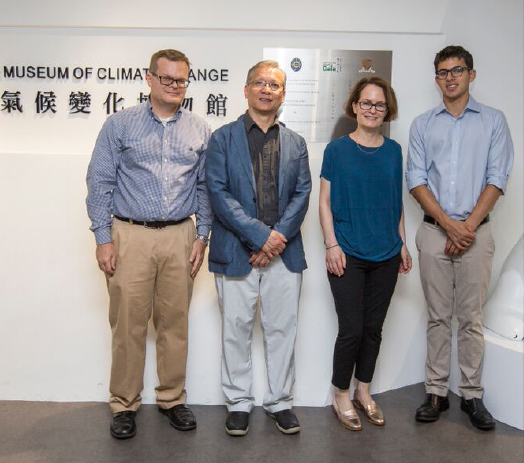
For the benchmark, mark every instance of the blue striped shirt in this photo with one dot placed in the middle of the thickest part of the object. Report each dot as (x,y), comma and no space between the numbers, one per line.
(457,157)
(145,171)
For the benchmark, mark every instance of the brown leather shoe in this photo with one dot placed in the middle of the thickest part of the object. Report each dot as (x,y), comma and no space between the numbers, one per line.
(372,412)
(349,419)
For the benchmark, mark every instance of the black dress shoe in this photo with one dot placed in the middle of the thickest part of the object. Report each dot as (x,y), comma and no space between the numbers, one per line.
(237,423)
(478,413)
(180,417)
(431,408)
(123,425)
(286,421)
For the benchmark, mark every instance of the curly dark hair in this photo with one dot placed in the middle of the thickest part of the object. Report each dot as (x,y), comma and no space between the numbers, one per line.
(453,51)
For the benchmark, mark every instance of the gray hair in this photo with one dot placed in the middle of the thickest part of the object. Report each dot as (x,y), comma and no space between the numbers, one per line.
(268,63)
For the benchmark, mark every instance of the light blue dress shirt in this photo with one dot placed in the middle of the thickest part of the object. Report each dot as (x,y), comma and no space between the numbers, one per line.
(457,157)
(143,170)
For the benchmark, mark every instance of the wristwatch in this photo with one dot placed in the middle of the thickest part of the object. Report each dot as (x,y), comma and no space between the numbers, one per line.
(203,238)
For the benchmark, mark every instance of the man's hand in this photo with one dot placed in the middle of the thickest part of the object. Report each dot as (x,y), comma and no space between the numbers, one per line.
(196,257)
(335,261)
(106,257)
(274,245)
(460,233)
(451,250)
(259,259)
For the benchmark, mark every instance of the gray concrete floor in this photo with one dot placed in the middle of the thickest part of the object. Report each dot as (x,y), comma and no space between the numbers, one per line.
(79,432)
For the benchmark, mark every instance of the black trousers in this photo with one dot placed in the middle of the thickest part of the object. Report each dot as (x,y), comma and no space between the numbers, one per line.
(362,296)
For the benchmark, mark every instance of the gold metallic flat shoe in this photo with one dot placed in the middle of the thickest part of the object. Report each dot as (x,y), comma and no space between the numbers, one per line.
(372,413)
(349,419)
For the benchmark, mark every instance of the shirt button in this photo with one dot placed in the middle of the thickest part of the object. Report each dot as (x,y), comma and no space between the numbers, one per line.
(165,198)
(165,160)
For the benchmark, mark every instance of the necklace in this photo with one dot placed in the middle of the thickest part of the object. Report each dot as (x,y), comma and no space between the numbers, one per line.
(367,149)
(361,148)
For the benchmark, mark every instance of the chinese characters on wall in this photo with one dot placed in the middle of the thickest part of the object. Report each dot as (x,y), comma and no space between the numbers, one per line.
(80,102)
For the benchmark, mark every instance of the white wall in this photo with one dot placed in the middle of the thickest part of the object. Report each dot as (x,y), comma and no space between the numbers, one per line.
(493,33)
(54,334)
(405,16)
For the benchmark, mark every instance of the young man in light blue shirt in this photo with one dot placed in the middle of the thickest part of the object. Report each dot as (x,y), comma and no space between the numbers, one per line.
(459,159)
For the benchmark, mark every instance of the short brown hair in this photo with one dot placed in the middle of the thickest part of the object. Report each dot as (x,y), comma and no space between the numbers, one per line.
(268,63)
(169,54)
(453,51)
(391,99)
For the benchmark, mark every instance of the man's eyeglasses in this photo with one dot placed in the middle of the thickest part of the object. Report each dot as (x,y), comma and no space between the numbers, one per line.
(457,71)
(167,81)
(259,84)
(366,105)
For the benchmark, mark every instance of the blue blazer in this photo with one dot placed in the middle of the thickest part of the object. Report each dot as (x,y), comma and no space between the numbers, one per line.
(236,231)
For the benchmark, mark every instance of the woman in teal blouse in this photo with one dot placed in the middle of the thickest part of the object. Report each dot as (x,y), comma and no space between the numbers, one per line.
(362,219)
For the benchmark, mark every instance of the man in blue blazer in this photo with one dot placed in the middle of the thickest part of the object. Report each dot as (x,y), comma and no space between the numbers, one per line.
(259,182)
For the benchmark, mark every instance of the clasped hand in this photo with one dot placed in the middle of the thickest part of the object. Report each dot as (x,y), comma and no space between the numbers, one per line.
(460,237)
(273,247)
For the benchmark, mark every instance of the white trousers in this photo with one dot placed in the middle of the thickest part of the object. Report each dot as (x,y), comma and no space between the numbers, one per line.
(279,292)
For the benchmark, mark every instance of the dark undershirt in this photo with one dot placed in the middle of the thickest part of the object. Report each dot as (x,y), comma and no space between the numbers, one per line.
(264,151)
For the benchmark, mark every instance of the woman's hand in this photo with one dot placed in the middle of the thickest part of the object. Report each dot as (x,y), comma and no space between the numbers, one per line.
(405,260)
(335,260)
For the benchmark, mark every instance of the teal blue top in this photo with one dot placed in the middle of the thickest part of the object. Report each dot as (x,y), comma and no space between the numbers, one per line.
(366,197)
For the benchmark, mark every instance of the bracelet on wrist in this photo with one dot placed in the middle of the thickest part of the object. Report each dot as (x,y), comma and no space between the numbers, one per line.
(331,247)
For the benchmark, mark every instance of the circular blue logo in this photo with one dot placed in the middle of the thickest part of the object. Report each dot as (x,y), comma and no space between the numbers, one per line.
(296,64)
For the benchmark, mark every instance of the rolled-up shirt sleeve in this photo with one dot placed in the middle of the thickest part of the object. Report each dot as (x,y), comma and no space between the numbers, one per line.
(500,157)
(416,172)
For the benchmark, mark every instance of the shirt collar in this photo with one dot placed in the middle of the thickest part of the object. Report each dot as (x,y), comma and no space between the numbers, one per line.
(249,122)
(175,116)
(472,105)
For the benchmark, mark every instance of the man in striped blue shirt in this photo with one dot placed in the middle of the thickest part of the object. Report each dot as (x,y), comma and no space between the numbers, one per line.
(145,179)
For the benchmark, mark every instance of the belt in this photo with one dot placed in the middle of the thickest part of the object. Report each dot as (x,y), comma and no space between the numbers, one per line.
(155,224)
(432,221)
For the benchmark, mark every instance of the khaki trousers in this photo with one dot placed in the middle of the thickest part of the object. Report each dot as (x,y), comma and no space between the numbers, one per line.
(152,277)
(461,282)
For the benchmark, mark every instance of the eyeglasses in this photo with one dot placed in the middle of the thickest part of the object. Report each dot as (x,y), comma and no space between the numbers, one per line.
(366,105)
(167,81)
(259,84)
(457,71)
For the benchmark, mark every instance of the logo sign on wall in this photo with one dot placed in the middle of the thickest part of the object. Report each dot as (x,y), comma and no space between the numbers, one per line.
(319,84)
